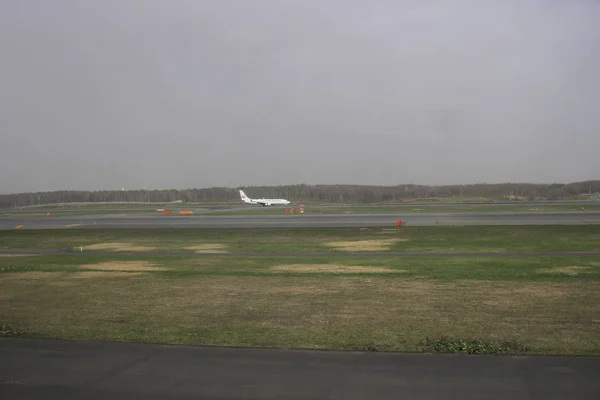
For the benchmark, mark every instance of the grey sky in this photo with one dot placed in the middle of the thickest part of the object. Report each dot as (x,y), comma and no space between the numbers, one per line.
(177,94)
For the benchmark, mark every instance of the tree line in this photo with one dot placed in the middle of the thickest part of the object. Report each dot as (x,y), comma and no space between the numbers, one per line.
(314,193)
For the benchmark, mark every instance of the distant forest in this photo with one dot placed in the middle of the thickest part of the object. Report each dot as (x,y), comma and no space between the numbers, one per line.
(317,193)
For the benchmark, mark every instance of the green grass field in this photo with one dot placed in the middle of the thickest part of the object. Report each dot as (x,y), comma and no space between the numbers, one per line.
(543,305)
(438,239)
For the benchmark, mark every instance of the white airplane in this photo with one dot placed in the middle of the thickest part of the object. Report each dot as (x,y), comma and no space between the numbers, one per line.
(262,202)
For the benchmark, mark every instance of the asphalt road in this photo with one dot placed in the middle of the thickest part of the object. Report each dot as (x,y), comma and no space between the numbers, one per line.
(32,369)
(305,220)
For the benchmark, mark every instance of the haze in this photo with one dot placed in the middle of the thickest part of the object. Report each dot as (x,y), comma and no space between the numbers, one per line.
(176,94)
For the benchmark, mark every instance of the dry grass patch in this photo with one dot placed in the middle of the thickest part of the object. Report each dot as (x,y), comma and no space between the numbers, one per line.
(506,292)
(541,291)
(58,278)
(122,266)
(570,270)
(37,275)
(208,248)
(292,311)
(391,230)
(298,289)
(364,245)
(333,269)
(103,274)
(594,264)
(119,246)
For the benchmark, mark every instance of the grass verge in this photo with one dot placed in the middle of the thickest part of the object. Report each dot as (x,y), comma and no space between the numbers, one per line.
(447,344)
(9,331)
(436,268)
(299,240)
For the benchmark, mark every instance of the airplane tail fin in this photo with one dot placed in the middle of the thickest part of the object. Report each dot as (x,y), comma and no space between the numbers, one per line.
(243,196)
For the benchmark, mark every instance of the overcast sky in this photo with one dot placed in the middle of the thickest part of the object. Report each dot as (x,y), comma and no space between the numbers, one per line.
(178,94)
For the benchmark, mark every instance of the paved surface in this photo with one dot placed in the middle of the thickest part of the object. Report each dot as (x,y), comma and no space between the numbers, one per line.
(229,206)
(32,369)
(306,220)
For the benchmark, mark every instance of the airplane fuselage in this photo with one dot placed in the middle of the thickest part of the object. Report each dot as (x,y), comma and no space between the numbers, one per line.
(263,202)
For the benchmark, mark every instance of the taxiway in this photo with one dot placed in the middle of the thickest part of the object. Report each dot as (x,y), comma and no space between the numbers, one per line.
(301,220)
(34,369)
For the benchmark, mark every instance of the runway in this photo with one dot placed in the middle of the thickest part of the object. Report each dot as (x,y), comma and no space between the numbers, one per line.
(143,206)
(304,220)
(34,369)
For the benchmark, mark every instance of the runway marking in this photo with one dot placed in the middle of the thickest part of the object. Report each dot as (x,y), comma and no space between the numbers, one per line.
(72,225)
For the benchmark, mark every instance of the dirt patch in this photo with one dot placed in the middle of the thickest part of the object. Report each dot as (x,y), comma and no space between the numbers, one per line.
(570,270)
(103,274)
(334,269)
(117,246)
(122,266)
(208,248)
(364,245)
